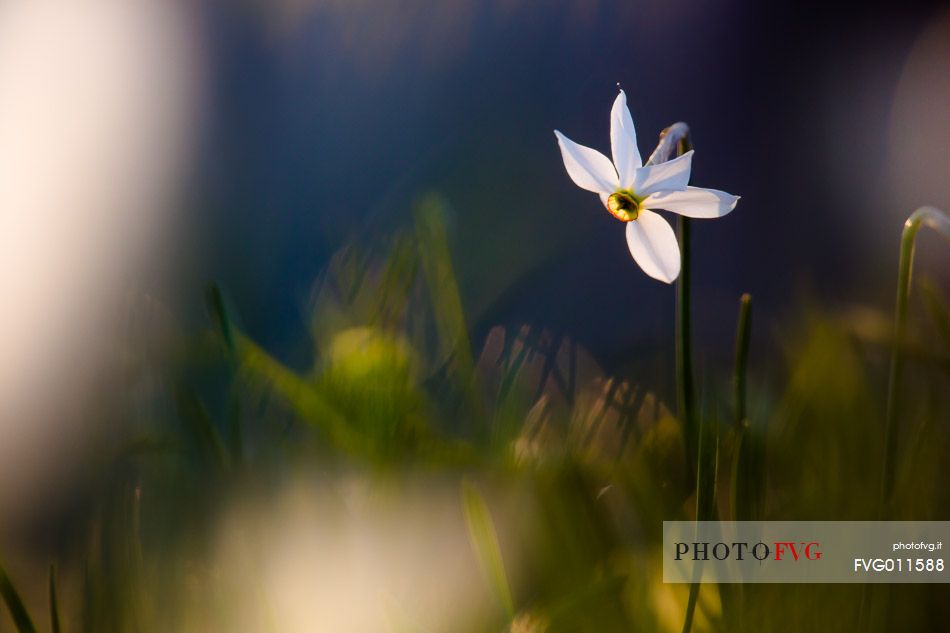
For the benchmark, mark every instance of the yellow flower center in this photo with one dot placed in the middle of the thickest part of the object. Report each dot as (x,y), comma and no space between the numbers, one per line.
(623,205)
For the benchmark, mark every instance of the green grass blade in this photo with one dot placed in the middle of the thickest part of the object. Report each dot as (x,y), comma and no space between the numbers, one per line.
(940,222)
(707,468)
(442,285)
(746,483)
(748,471)
(481,531)
(219,315)
(301,395)
(217,308)
(743,334)
(512,370)
(198,423)
(55,626)
(21,617)
(396,283)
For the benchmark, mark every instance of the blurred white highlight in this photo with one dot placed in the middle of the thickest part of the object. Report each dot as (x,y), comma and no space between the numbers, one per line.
(920,121)
(919,160)
(96,100)
(353,557)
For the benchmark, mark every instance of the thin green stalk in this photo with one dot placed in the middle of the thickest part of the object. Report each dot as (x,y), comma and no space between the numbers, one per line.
(937,220)
(675,140)
(484,539)
(747,460)
(217,308)
(706,468)
(438,272)
(55,626)
(743,334)
(684,342)
(686,393)
(691,606)
(745,483)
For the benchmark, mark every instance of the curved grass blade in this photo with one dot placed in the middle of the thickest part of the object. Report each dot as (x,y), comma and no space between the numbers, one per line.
(938,221)
(481,532)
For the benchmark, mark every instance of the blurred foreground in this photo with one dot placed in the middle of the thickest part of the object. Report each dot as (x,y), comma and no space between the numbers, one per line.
(405,482)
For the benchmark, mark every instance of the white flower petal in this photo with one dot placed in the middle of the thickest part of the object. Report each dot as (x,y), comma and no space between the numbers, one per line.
(623,142)
(695,202)
(653,245)
(588,168)
(673,175)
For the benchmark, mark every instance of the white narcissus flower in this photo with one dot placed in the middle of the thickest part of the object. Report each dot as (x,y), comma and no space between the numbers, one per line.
(631,192)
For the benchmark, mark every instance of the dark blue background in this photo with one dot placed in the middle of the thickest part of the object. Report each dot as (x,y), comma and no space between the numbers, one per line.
(327,124)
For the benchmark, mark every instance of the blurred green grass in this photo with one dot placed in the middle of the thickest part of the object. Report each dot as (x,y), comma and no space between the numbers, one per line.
(563,473)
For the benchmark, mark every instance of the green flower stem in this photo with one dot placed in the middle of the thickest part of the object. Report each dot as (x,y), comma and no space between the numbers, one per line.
(937,220)
(685,389)
(685,396)
(674,140)
(701,448)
